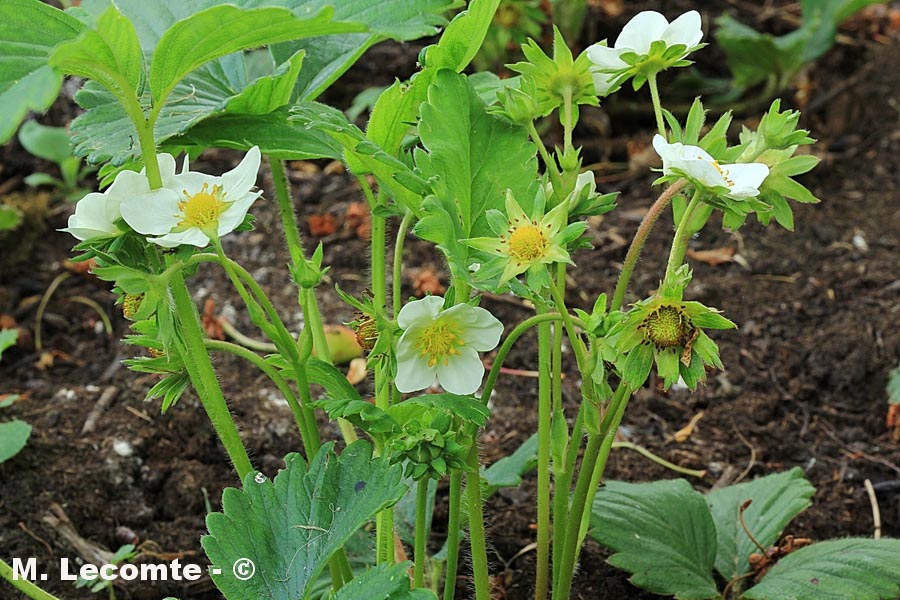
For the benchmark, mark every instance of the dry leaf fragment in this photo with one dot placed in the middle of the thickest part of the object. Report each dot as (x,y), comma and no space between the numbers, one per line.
(426,282)
(211,323)
(715,256)
(321,225)
(683,434)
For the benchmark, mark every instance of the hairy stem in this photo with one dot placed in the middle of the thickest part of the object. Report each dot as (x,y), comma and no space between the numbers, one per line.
(203,376)
(657,106)
(477,537)
(682,237)
(640,238)
(545,410)
(453,527)
(421,533)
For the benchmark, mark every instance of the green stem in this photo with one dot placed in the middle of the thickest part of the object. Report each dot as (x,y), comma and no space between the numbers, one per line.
(511,339)
(640,238)
(23,585)
(286,209)
(552,168)
(203,376)
(562,485)
(682,236)
(556,358)
(568,320)
(583,491)
(657,106)
(421,533)
(453,528)
(271,373)
(617,410)
(477,537)
(568,125)
(545,410)
(396,280)
(148,151)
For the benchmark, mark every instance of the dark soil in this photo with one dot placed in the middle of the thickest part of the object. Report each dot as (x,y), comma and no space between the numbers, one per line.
(804,383)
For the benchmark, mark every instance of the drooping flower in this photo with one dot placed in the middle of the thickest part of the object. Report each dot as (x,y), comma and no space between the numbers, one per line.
(736,181)
(96,214)
(443,344)
(643,48)
(527,241)
(191,207)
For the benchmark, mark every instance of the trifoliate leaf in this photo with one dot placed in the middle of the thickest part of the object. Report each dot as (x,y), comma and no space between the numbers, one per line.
(777,499)
(29,30)
(857,568)
(291,526)
(662,533)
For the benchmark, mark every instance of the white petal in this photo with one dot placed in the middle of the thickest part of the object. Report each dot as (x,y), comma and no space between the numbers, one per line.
(747,174)
(153,213)
(481,330)
(418,311)
(413,374)
(665,150)
(603,83)
(192,182)
(684,30)
(128,183)
(91,218)
(234,214)
(703,171)
(192,237)
(641,31)
(605,57)
(463,374)
(243,177)
(740,193)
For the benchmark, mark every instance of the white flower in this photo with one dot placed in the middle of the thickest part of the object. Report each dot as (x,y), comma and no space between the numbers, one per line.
(443,343)
(742,180)
(96,214)
(191,206)
(637,37)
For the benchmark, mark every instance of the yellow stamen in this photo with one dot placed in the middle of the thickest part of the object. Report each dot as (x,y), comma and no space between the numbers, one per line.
(439,341)
(203,208)
(527,243)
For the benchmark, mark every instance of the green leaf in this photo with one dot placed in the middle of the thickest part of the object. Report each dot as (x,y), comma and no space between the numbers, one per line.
(29,30)
(777,499)
(662,533)
(330,56)
(49,143)
(110,54)
(10,217)
(857,568)
(291,526)
(223,29)
(399,105)
(384,582)
(508,471)
(13,436)
(8,337)
(893,387)
(362,155)
(276,136)
(269,92)
(753,56)
(467,408)
(637,365)
(474,158)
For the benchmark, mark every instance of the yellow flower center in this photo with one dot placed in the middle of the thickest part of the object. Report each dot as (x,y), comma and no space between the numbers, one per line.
(439,341)
(203,208)
(527,243)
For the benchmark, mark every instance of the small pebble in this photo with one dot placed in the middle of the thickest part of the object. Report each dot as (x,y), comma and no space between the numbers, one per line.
(122,448)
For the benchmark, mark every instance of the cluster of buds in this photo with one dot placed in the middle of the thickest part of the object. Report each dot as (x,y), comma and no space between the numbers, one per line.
(432,449)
